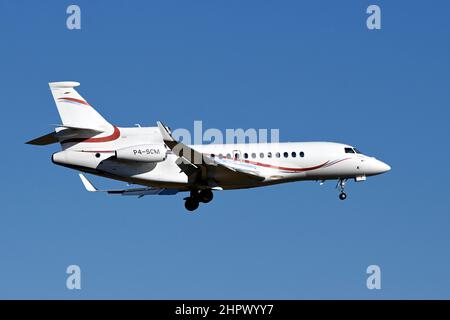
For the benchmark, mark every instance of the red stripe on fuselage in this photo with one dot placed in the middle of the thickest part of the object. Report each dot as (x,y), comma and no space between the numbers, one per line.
(75,100)
(284,168)
(323,165)
(332,163)
(114,136)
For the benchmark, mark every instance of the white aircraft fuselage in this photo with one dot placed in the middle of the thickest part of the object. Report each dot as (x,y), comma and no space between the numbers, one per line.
(151,157)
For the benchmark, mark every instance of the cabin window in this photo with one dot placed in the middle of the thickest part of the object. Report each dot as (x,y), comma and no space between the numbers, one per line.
(278,155)
(246,155)
(349,150)
(286,154)
(302,154)
(228,156)
(220,156)
(212,155)
(261,155)
(253,155)
(294,154)
(236,155)
(269,154)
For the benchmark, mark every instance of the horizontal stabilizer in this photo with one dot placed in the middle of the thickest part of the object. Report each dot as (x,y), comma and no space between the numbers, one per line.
(44,140)
(78,128)
(63,133)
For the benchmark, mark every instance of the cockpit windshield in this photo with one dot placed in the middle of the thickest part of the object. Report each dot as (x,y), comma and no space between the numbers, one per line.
(349,150)
(352,150)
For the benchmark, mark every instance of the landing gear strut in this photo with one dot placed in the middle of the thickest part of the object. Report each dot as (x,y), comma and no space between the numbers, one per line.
(197,196)
(341,186)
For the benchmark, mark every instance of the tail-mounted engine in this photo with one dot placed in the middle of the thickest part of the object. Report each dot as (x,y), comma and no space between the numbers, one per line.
(143,153)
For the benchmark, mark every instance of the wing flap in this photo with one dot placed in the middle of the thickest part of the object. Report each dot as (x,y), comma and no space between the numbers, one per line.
(140,192)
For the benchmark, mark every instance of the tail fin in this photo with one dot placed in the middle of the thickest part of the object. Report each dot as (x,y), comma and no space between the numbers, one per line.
(74,111)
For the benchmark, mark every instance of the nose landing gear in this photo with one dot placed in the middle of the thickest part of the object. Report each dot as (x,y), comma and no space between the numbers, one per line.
(341,186)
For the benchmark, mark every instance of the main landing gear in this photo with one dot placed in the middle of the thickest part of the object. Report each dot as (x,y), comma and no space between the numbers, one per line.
(191,203)
(341,186)
(197,196)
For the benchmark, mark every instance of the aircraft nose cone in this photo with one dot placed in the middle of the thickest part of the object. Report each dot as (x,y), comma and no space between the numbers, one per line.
(374,166)
(382,167)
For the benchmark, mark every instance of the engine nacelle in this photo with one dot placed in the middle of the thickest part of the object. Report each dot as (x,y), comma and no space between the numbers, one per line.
(143,153)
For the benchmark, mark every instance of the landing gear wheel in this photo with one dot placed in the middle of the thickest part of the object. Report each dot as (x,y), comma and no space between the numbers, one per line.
(205,195)
(343,196)
(341,186)
(191,204)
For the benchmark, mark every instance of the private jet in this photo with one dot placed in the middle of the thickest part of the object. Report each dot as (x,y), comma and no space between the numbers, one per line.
(153,159)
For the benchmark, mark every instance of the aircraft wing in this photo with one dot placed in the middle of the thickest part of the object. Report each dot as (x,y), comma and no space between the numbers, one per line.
(239,168)
(197,165)
(140,192)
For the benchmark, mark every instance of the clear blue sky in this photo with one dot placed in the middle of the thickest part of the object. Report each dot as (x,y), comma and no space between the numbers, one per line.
(311,69)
